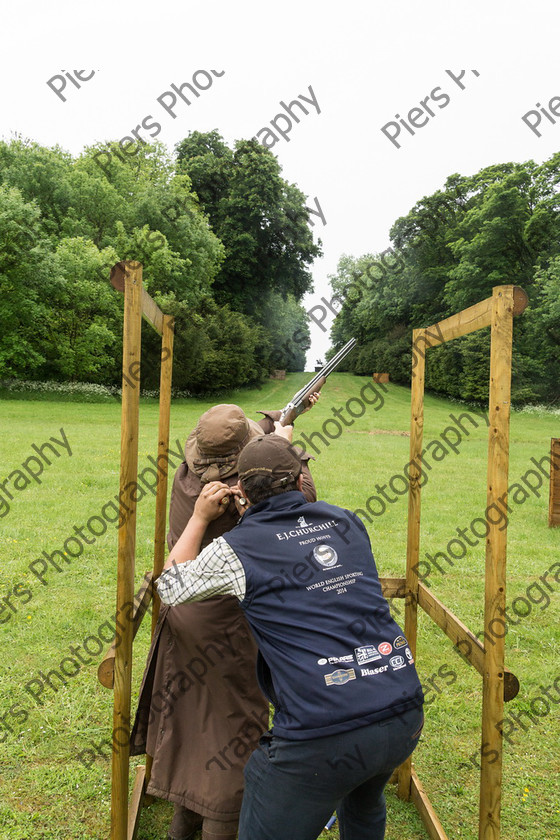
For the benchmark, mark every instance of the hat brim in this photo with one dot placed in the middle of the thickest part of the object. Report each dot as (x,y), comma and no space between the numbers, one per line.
(199,462)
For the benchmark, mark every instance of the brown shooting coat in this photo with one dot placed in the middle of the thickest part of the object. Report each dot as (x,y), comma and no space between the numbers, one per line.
(201,712)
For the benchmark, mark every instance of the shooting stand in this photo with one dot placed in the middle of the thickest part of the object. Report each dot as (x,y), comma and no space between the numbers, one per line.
(115,671)
(498,684)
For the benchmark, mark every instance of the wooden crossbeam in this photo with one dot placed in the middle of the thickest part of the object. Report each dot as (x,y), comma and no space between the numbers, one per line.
(393,587)
(464,639)
(135,805)
(462,323)
(150,310)
(425,809)
(106,668)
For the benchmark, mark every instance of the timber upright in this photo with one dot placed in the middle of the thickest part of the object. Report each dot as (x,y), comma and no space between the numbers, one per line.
(498,685)
(115,671)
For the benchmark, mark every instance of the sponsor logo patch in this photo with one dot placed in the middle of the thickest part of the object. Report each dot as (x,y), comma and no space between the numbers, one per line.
(340,677)
(322,661)
(366,653)
(397,662)
(325,555)
(399,642)
(372,672)
(385,648)
(409,655)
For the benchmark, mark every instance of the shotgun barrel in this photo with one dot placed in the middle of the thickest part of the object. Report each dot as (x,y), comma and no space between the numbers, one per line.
(297,406)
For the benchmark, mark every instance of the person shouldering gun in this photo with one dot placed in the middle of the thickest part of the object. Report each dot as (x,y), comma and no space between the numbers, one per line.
(302,401)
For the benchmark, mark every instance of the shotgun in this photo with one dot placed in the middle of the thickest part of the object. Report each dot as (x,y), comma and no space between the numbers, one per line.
(297,404)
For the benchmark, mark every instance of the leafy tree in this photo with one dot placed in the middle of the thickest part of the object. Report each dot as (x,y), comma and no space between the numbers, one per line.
(152,208)
(260,218)
(65,221)
(84,327)
(286,329)
(501,225)
(215,348)
(24,285)
(41,175)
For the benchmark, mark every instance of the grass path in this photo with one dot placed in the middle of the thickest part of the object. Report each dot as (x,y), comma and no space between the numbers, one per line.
(47,794)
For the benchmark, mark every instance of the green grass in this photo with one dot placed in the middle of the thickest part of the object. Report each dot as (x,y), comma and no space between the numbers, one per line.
(46,793)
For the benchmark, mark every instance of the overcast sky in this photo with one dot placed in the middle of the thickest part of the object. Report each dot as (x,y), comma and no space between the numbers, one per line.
(364,61)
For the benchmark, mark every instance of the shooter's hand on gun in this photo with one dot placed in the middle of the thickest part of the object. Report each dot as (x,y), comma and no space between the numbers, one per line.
(286,430)
(311,400)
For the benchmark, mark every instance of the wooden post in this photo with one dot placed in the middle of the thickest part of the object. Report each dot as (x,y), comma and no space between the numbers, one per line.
(554,494)
(126,546)
(163,459)
(126,277)
(162,455)
(496,548)
(496,312)
(413,535)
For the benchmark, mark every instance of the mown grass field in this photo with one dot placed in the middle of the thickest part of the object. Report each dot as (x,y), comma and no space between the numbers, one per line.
(47,794)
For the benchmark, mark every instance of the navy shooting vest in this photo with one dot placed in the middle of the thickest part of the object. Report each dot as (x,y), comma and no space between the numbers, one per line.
(331,658)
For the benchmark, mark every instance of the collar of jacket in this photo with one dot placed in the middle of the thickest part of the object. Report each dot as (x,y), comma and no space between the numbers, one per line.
(284,501)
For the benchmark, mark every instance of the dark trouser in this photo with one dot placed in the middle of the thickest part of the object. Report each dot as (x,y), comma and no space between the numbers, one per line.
(293,787)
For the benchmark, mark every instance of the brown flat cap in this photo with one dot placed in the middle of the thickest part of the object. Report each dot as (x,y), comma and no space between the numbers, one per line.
(211,451)
(271,455)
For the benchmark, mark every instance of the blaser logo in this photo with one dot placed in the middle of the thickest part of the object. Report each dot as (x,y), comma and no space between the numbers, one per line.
(372,672)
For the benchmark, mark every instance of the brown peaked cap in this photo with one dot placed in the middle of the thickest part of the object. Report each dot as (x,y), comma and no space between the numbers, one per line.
(271,455)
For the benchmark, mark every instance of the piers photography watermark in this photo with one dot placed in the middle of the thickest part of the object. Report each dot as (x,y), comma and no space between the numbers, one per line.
(31,469)
(420,115)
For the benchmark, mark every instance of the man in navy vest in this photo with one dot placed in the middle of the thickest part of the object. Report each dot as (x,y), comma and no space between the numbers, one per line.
(336,667)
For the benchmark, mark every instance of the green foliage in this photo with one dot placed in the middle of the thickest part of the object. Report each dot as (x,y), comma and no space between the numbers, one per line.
(500,226)
(215,348)
(84,326)
(227,259)
(286,332)
(41,175)
(24,285)
(260,218)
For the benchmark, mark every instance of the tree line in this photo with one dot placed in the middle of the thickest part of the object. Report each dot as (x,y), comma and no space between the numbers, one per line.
(499,226)
(224,240)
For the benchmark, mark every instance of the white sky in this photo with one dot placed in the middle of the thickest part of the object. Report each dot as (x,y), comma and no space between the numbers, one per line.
(365,61)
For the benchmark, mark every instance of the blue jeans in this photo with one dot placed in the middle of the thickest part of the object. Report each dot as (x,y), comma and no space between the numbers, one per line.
(293,787)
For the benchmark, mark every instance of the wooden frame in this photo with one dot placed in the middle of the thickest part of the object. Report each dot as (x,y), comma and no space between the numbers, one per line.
(115,671)
(498,685)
